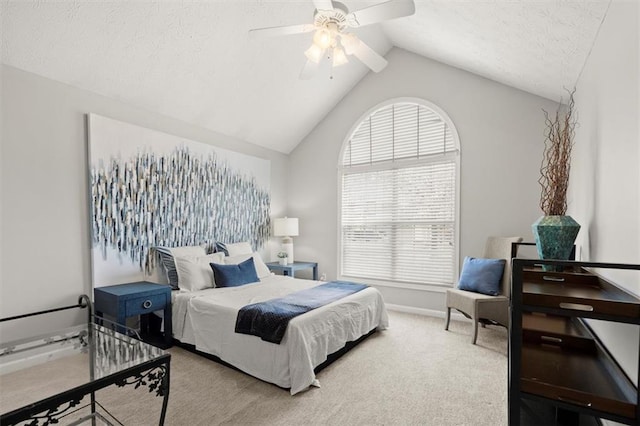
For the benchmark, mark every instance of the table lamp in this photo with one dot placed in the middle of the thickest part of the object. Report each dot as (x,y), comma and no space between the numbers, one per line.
(286,228)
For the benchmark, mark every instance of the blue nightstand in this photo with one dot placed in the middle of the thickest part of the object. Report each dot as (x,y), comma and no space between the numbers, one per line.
(127,300)
(291,268)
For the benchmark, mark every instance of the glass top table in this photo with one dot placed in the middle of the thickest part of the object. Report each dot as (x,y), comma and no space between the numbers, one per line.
(51,378)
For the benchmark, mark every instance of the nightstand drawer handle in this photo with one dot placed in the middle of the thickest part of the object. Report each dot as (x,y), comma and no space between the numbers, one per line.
(147,304)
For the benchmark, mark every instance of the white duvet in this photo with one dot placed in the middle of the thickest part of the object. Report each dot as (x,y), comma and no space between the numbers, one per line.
(207,319)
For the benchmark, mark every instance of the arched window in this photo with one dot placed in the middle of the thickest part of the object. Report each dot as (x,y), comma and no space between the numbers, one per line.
(399,204)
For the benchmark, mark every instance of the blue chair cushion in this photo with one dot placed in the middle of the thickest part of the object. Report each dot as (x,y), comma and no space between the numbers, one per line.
(481,275)
(235,275)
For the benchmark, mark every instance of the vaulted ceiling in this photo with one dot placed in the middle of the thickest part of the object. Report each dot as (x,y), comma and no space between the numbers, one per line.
(193,60)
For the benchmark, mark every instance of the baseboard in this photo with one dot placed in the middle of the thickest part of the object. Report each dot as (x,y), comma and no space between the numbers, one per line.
(16,359)
(455,316)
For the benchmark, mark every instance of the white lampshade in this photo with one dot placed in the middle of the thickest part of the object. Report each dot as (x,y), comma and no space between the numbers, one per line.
(323,38)
(339,58)
(350,43)
(285,227)
(314,53)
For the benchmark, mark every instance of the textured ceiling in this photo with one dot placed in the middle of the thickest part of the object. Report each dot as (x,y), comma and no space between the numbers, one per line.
(193,60)
(539,46)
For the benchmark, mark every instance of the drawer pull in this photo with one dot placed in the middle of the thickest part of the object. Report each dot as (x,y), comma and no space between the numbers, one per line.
(573,401)
(577,307)
(551,339)
(551,278)
(147,304)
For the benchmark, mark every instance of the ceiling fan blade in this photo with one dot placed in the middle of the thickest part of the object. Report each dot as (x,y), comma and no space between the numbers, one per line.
(279,31)
(368,56)
(309,70)
(323,4)
(381,12)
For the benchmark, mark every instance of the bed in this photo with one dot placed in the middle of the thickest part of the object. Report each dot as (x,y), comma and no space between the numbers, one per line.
(206,319)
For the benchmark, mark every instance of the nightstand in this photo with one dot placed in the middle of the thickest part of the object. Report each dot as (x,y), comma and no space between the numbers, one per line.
(291,268)
(140,298)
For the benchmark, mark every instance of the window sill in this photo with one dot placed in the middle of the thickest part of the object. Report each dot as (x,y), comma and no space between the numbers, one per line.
(433,288)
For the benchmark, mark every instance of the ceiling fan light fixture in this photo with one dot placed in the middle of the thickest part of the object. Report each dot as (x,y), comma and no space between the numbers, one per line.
(323,38)
(314,53)
(349,42)
(339,58)
(331,21)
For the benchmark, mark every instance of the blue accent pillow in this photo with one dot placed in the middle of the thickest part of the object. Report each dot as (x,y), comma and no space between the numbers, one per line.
(482,275)
(234,275)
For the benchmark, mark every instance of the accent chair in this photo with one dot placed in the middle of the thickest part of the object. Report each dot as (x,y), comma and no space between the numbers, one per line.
(484,308)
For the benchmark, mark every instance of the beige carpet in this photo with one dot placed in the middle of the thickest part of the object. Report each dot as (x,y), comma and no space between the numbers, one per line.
(414,373)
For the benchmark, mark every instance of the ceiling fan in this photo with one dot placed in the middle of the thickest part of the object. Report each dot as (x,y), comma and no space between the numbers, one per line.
(331,21)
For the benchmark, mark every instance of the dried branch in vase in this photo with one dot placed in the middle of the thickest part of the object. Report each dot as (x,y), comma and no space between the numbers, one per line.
(556,158)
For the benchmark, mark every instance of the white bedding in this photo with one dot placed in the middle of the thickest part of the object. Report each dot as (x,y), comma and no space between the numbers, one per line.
(207,319)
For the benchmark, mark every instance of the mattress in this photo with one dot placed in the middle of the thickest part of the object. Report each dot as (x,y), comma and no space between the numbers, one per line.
(206,319)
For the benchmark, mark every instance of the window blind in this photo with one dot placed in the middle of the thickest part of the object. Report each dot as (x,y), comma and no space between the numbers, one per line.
(398,131)
(398,217)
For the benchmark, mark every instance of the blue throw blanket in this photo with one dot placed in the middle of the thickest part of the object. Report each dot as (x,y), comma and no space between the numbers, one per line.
(268,320)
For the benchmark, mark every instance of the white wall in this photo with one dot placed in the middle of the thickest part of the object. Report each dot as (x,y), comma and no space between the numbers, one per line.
(45,226)
(1,198)
(605,176)
(500,131)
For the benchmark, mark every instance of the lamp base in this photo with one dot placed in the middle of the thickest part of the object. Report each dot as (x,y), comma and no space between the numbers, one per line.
(287,247)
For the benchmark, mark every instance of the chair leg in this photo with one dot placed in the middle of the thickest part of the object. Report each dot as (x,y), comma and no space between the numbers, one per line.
(448,318)
(474,334)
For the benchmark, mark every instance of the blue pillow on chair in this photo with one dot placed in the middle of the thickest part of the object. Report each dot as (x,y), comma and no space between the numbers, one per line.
(235,275)
(482,275)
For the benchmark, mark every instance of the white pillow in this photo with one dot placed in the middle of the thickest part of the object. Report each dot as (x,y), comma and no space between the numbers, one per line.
(237,249)
(188,251)
(195,273)
(167,255)
(261,269)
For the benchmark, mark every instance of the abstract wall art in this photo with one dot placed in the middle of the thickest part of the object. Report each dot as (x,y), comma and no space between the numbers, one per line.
(150,189)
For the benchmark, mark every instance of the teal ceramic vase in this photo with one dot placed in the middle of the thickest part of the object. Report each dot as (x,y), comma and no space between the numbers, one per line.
(555,236)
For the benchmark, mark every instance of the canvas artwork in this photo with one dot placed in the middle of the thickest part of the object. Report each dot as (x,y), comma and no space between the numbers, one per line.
(149,189)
